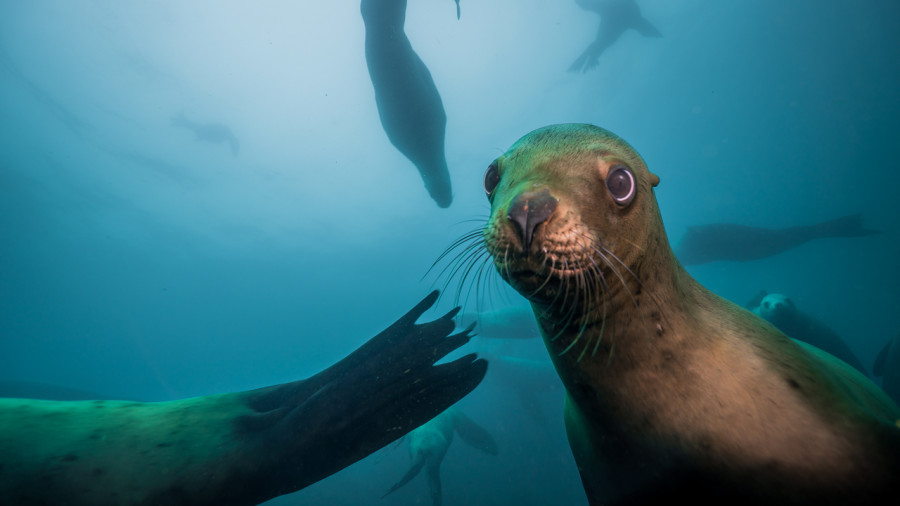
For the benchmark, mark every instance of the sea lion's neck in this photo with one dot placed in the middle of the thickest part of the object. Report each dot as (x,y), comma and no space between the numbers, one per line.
(633,328)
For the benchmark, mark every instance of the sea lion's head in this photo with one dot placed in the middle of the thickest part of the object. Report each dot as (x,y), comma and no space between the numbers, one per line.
(776,308)
(573,219)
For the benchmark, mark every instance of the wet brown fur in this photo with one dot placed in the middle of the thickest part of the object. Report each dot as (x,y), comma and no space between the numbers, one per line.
(673,392)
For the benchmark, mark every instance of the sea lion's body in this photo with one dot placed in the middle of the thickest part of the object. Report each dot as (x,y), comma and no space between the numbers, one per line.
(673,393)
(428,444)
(616,17)
(234,448)
(409,105)
(780,311)
(741,243)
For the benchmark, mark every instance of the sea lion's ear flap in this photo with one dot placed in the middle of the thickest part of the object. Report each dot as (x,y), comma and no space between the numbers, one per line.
(654,179)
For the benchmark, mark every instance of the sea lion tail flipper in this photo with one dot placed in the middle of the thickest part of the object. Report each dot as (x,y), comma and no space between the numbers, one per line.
(847,226)
(457,9)
(646,28)
(413,471)
(474,435)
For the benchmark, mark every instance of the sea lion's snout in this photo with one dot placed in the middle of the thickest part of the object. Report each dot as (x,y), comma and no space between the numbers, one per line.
(528,210)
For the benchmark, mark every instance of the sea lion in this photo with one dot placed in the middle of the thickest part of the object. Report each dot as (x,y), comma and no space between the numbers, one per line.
(887,367)
(428,445)
(780,311)
(215,133)
(408,101)
(616,16)
(672,393)
(241,447)
(741,243)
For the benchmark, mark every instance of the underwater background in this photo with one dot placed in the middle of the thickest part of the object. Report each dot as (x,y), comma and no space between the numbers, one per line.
(138,261)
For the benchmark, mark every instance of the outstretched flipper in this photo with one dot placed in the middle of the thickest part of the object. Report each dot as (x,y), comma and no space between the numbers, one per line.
(475,435)
(412,473)
(375,395)
(242,447)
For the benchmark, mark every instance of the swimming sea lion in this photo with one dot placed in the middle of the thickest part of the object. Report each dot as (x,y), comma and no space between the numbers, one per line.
(428,445)
(616,16)
(781,311)
(672,393)
(409,104)
(215,133)
(741,243)
(235,448)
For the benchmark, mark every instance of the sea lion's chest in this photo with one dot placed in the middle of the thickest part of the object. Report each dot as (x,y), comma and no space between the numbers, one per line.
(700,391)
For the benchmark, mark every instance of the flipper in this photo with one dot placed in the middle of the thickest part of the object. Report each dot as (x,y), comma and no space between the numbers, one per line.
(475,435)
(412,473)
(646,28)
(847,226)
(241,447)
(434,484)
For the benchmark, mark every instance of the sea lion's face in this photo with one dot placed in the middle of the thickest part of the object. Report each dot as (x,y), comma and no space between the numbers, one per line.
(776,308)
(570,206)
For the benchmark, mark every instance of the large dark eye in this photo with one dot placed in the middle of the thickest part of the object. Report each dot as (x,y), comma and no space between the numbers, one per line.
(620,183)
(491,179)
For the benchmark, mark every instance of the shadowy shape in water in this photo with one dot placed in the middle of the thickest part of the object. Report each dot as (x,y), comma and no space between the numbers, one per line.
(616,16)
(428,445)
(740,243)
(408,101)
(215,133)
(240,447)
(887,366)
(780,311)
(57,110)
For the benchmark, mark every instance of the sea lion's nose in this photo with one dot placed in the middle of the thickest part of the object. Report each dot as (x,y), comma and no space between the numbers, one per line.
(530,209)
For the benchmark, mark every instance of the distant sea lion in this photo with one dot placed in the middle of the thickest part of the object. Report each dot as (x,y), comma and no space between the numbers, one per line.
(215,133)
(673,393)
(727,241)
(409,104)
(887,366)
(235,448)
(428,445)
(780,311)
(616,16)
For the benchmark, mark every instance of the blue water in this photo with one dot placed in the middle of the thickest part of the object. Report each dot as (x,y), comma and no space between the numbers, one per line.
(139,262)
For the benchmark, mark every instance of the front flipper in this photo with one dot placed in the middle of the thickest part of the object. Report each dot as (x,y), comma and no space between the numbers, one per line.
(412,473)
(475,435)
(375,395)
(434,484)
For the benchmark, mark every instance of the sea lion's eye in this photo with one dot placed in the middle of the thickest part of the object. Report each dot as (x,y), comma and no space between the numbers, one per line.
(491,179)
(620,183)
